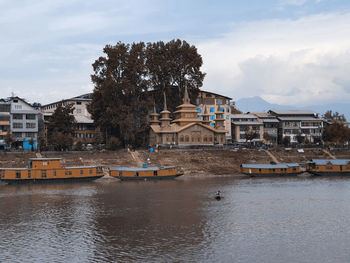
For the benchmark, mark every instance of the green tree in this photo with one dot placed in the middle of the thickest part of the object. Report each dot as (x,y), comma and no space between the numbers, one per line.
(286,141)
(172,66)
(336,133)
(330,116)
(300,138)
(60,128)
(9,139)
(120,101)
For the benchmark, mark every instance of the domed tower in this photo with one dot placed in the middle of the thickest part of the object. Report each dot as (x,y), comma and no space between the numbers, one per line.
(154,117)
(165,116)
(219,119)
(206,116)
(186,113)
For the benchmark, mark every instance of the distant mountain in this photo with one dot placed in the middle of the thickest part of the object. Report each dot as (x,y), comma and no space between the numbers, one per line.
(254,104)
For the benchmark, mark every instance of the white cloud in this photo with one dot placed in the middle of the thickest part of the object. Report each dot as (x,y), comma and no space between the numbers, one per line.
(303,61)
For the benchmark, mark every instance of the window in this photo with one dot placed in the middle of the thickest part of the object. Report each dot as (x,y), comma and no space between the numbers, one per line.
(17,117)
(29,174)
(78,102)
(30,116)
(30,125)
(78,110)
(54,172)
(227,117)
(43,173)
(30,134)
(18,107)
(90,171)
(18,174)
(81,171)
(17,125)
(212,109)
(212,117)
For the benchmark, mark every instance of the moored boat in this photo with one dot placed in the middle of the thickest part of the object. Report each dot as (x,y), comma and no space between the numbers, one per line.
(329,167)
(49,169)
(146,173)
(280,169)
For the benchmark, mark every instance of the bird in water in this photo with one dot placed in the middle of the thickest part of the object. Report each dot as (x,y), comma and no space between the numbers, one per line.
(218,195)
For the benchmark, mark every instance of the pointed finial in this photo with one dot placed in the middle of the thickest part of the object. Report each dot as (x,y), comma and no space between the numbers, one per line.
(186,97)
(154,107)
(165,107)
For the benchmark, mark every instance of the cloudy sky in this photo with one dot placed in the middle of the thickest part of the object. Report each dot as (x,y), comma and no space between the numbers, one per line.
(292,52)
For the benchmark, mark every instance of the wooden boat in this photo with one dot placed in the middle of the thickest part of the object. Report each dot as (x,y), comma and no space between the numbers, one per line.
(280,169)
(329,167)
(146,173)
(49,169)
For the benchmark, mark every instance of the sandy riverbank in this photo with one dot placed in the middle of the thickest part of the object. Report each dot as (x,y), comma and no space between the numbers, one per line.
(195,162)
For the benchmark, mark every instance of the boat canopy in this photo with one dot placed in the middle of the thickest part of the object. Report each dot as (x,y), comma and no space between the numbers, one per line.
(270,166)
(331,161)
(138,169)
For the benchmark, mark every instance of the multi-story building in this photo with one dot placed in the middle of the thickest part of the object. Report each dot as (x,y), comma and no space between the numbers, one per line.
(85,129)
(294,123)
(245,126)
(5,109)
(270,126)
(24,120)
(212,101)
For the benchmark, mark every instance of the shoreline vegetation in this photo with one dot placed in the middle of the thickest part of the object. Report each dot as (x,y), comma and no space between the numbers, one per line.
(196,162)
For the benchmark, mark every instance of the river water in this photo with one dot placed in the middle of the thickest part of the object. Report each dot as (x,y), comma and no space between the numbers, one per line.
(258,220)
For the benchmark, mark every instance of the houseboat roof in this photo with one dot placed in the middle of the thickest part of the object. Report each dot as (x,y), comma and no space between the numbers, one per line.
(45,159)
(138,169)
(331,161)
(269,166)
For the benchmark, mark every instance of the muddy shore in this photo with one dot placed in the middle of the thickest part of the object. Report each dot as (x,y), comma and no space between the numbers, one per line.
(195,162)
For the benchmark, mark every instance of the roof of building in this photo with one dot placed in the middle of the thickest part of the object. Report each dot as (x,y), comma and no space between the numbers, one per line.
(293,112)
(247,123)
(331,161)
(84,97)
(270,120)
(270,166)
(204,91)
(243,116)
(301,118)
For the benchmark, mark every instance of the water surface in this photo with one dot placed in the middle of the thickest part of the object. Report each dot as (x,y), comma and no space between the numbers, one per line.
(258,220)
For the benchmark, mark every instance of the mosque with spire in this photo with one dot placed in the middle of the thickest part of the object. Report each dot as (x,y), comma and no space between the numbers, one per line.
(186,128)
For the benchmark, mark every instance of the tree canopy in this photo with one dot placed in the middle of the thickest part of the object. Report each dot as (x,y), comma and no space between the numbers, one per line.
(131,77)
(336,116)
(60,128)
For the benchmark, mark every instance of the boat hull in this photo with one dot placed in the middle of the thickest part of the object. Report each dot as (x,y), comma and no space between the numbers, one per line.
(317,173)
(272,174)
(51,180)
(147,178)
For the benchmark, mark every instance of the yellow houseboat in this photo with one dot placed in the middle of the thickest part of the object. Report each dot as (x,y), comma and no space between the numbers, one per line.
(280,169)
(329,167)
(49,169)
(146,173)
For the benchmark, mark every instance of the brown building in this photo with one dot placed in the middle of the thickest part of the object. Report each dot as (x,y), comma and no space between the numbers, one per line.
(213,102)
(186,128)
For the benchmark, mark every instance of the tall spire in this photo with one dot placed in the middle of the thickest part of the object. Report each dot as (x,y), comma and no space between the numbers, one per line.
(165,108)
(186,97)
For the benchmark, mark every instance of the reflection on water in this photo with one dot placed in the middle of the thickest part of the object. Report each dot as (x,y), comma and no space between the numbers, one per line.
(258,220)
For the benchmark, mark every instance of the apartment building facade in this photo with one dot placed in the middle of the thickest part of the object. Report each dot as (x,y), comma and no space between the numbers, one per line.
(244,125)
(298,123)
(24,123)
(5,126)
(84,129)
(212,101)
